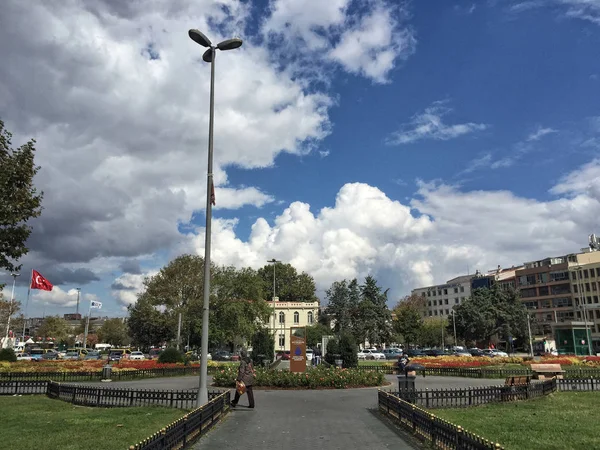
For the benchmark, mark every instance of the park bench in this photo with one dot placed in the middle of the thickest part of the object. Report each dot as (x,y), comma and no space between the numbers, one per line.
(517,381)
(541,371)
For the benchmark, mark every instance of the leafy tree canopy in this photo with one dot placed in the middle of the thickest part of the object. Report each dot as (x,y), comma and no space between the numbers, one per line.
(290,286)
(409,322)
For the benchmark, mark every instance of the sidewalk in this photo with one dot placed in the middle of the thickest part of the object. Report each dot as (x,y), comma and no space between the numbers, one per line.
(323,419)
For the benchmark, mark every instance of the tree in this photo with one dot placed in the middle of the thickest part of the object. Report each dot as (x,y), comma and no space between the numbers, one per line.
(113,332)
(54,327)
(348,350)
(432,331)
(374,321)
(290,286)
(314,333)
(263,346)
(491,314)
(92,340)
(408,322)
(10,309)
(19,199)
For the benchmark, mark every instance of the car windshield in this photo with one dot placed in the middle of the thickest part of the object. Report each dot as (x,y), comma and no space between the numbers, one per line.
(136,353)
(36,352)
(72,354)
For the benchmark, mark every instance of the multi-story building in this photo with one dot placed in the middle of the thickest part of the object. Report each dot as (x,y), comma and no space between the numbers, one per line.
(287,315)
(441,298)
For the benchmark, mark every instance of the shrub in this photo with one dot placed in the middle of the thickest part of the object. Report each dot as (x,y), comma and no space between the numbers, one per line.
(348,351)
(318,377)
(170,355)
(8,354)
(333,348)
(263,345)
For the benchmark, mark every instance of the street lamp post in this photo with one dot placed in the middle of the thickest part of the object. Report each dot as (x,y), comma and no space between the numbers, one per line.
(274,262)
(454,324)
(583,307)
(530,339)
(209,56)
(77,308)
(12,299)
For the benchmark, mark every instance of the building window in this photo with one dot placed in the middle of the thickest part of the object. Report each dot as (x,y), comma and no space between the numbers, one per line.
(456,301)
(543,277)
(594,286)
(428,293)
(309,317)
(587,287)
(543,290)
(585,273)
(296,317)
(429,304)
(435,312)
(456,290)
(447,312)
(282,340)
(282,317)
(530,292)
(439,292)
(595,299)
(559,276)
(435,303)
(430,314)
(422,294)
(560,289)
(445,291)
(445,301)
(598,272)
(573,276)
(462,289)
(575,288)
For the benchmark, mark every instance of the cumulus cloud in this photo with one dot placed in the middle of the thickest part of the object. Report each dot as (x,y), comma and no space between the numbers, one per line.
(588,10)
(429,124)
(440,234)
(126,287)
(539,133)
(61,298)
(364,41)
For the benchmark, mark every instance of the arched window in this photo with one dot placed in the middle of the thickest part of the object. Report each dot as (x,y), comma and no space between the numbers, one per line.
(282,317)
(310,317)
(296,317)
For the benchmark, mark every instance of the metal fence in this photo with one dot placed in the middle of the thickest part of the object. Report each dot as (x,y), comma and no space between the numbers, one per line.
(120,397)
(189,428)
(430,428)
(485,372)
(579,384)
(96,375)
(473,396)
(24,387)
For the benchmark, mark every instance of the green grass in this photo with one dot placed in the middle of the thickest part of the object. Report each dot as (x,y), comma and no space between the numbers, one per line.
(37,422)
(376,362)
(562,421)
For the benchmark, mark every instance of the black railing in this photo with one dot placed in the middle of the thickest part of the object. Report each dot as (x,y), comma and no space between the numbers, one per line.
(430,428)
(473,396)
(579,384)
(96,375)
(185,431)
(121,397)
(23,387)
(485,372)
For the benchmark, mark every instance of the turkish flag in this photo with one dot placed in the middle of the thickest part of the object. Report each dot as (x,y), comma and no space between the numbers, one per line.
(39,282)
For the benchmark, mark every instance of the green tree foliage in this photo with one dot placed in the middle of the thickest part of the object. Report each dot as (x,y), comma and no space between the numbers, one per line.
(290,286)
(408,322)
(8,354)
(348,350)
(263,346)
(360,310)
(333,351)
(490,315)
(19,199)
(8,308)
(170,355)
(237,307)
(55,327)
(113,332)
(432,331)
(314,333)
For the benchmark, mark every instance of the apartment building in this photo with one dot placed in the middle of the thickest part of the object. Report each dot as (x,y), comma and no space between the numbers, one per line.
(584,271)
(442,298)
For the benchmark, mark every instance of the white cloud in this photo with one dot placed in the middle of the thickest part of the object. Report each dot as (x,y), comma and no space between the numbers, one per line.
(448,231)
(127,287)
(63,299)
(539,133)
(430,125)
(324,153)
(366,41)
(588,10)
(372,46)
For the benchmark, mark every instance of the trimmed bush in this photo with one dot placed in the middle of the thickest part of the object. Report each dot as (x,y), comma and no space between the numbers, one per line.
(8,354)
(318,377)
(171,355)
(348,351)
(263,345)
(333,348)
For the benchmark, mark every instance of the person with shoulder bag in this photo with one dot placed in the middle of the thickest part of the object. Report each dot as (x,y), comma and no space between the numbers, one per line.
(244,380)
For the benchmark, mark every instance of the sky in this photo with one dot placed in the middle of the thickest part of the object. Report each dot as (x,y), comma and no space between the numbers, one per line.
(413,141)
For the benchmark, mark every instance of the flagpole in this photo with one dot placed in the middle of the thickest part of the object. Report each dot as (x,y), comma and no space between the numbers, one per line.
(27,304)
(87,325)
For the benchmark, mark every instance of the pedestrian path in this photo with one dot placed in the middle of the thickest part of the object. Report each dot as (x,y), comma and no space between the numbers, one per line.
(322,419)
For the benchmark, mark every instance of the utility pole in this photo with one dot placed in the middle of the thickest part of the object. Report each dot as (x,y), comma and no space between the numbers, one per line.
(77,308)
(454,323)
(583,307)
(274,262)
(530,339)
(12,300)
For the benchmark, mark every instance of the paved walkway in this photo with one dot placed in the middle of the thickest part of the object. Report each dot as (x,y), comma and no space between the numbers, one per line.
(322,419)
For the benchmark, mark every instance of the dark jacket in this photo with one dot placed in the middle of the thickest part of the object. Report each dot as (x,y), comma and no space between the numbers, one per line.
(246,372)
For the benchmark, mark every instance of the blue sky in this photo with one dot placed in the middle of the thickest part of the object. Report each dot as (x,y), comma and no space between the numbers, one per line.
(395,139)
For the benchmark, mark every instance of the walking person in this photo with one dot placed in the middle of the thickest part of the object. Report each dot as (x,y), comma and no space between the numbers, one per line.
(246,376)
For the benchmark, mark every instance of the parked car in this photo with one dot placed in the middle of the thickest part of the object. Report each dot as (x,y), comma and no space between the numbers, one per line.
(119,354)
(36,354)
(23,357)
(50,356)
(373,353)
(71,356)
(139,356)
(154,352)
(476,352)
(94,354)
(222,355)
(462,353)
(435,352)
(392,353)
(413,353)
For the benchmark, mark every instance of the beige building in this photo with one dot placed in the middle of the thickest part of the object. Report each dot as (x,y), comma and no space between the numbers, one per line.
(584,269)
(286,315)
(441,298)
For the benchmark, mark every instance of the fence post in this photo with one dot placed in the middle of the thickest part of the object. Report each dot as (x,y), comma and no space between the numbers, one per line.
(16,387)
(171,399)
(426,398)
(185,431)
(433,430)
(74,394)
(458,438)
(131,398)
(98,397)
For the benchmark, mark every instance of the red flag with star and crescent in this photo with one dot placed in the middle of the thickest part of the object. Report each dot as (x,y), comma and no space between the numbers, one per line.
(39,282)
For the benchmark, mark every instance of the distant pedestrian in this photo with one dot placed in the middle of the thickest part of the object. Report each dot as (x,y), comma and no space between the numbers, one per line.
(246,376)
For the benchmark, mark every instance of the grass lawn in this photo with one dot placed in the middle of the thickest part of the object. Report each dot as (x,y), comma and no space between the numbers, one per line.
(562,421)
(376,362)
(37,422)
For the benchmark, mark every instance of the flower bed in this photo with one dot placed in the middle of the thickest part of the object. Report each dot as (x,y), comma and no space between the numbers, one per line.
(314,378)
(89,365)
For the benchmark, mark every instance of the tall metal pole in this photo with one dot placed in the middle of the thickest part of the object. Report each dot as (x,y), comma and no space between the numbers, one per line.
(179,330)
(454,323)
(27,304)
(274,262)
(87,325)
(584,309)
(203,390)
(12,300)
(530,339)
(77,307)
